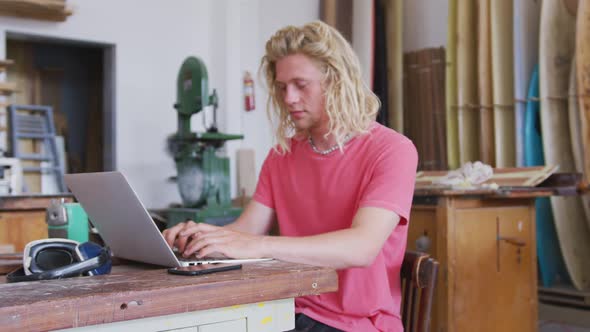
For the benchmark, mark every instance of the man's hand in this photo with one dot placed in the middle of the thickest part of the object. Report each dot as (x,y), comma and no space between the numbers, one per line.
(207,240)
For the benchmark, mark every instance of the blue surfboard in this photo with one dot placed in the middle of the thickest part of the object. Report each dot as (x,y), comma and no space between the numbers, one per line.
(551,266)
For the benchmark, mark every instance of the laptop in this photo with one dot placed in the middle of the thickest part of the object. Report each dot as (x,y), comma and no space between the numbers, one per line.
(124,223)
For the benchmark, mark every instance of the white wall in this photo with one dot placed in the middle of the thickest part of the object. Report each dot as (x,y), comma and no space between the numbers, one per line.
(425,24)
(251,24)
(152,39)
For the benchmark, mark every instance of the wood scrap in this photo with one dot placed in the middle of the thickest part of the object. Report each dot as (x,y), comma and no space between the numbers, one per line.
(47,10)
(504,177)
(7,88)
(5,63)
(424,106)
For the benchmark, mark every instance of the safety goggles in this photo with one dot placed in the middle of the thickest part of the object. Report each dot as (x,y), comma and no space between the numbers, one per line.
(61,258)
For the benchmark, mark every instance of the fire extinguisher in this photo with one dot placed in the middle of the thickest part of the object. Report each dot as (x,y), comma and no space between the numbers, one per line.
(249,103)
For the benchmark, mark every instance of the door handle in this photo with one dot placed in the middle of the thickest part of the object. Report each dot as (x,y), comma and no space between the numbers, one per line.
(512,240)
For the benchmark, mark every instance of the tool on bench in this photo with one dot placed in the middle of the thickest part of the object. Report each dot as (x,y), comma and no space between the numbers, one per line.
(67,220)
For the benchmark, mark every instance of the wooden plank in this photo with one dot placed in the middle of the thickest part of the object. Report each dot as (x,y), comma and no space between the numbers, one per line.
(24,74)
(484,83)
(338,14)
(504,177)
(394,45)
(439,112)
(121,296)
(7,88)
(428,156)
(545,192)
(568,301)
(501,20)
(481,203)
(48,10)
(451,88)
(5,63)
(30,202)
(468,118)
(563,295)
(246,172)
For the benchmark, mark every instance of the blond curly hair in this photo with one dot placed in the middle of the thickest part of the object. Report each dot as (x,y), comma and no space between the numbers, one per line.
(350,104)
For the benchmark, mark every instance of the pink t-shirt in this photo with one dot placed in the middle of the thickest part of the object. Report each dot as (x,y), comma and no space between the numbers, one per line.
(313,194)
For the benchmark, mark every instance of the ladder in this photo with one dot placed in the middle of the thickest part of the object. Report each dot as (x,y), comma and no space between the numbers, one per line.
(35,123)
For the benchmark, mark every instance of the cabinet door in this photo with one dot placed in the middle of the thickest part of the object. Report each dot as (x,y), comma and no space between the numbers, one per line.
(20,227)
(238,325)
(422,230)
(493,285)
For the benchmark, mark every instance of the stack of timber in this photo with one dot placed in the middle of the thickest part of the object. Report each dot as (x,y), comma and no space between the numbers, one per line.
(424,106)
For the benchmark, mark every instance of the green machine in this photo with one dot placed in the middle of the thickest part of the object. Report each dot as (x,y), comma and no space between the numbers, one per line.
(202,170)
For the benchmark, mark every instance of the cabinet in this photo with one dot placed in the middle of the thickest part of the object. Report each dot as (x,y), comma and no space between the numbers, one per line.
(268,316)
(486,248)
(22,219)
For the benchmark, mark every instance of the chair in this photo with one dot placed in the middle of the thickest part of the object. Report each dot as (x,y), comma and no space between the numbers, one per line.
(418,278)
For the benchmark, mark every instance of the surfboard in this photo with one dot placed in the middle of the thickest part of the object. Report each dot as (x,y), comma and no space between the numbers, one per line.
(574,121)
(526,55)
(394,27)
(484,79)
(503,86)
(556,46)
(451,88)
(576,133)
(583,88)
(551,265)
(467,116)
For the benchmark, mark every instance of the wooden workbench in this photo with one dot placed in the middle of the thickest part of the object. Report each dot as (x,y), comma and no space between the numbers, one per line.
(486,245)
(259,297)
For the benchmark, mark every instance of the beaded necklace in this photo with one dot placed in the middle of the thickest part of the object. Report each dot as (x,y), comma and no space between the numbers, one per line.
(330,150)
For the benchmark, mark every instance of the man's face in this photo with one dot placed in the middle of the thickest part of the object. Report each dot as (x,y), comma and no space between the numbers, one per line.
(299,85)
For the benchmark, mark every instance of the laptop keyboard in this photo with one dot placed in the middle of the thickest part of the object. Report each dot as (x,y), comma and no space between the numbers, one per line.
(194,258)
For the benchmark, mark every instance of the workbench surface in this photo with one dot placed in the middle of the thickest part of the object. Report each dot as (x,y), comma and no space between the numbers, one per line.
(132,294)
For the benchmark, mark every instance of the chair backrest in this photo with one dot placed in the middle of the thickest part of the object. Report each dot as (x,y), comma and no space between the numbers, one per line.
(418,277)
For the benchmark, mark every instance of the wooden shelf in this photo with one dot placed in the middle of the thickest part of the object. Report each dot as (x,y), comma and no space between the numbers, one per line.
(5,63)
(565,296)
(564,314)
(46,10)
(7,89)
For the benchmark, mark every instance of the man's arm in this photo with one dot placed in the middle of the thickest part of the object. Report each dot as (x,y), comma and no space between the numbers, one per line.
(356,246)
(256,219)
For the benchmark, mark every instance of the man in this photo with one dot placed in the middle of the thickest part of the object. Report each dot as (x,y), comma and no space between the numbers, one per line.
(339,185)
